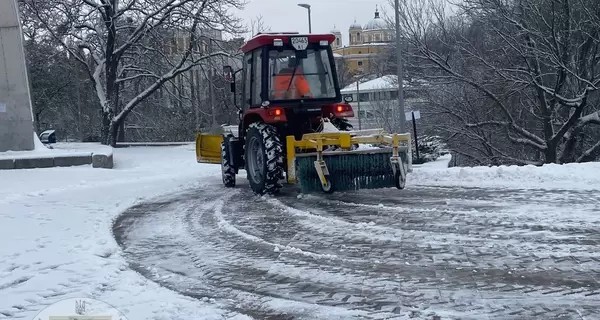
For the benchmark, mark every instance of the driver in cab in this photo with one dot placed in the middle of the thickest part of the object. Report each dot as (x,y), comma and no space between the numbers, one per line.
(285,88)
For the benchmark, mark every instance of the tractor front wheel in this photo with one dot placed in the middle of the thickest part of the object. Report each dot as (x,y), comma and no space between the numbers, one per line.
(264,158)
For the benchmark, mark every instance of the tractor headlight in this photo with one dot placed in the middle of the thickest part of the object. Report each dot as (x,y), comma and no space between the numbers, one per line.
(324,43)
(265,104)
(278,42)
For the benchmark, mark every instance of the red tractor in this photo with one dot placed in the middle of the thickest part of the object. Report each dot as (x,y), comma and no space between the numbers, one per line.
(292,119)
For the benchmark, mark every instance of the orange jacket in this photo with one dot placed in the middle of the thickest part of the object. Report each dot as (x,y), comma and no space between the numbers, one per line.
(298,89)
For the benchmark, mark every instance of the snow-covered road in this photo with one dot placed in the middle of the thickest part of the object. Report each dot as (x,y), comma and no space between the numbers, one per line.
(187,248)
(460,253)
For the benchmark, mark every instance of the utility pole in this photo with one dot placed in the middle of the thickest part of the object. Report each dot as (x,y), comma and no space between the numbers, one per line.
(358,102)
(414,120)
(399,69)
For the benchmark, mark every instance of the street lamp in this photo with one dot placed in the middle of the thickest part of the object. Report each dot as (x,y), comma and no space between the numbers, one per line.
(399,68)
(307,6)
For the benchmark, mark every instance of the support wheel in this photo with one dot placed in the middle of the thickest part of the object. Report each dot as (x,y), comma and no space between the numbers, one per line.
(400,181)
(264,158)
(328,188)
(227,170)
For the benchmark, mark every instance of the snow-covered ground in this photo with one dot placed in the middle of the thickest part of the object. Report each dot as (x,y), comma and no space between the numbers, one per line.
(56,241)
(55,226)
(585,176)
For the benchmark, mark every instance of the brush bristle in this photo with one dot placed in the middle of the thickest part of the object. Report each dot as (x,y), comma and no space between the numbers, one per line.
(348,171)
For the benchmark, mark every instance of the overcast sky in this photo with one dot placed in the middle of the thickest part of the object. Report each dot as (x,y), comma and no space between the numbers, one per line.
(286,15)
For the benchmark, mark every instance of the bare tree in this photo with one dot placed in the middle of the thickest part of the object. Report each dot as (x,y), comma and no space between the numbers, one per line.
(257,25)
(117,39)
(345,75)
(62,97)
(531,65)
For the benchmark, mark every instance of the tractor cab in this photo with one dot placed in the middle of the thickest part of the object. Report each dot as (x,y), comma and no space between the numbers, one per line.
(289,68)
(289,78)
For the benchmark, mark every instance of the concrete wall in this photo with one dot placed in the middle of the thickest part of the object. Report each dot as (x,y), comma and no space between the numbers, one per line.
(16,119)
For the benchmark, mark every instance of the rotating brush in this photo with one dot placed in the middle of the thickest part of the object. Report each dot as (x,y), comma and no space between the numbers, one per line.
(348,170)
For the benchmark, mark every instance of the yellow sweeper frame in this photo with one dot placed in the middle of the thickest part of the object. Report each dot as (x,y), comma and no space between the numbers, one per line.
(344,140)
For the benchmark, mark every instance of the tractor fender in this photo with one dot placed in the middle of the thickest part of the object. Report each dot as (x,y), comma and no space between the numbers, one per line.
(250,118)
(266,115)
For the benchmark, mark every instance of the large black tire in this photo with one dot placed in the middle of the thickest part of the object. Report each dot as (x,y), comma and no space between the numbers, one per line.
(265,168)
(227,169)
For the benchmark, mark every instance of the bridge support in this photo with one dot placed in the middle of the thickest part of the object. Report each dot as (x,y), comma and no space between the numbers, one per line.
(16,116)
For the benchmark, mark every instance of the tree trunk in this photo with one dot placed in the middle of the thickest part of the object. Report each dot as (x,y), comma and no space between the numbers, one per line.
(568,152)
(550,153)
(194,100)
(114,128)
(121,134)
(105,128)
(37,123)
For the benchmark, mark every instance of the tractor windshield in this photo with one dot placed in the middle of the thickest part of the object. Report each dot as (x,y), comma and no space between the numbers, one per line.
(300,78)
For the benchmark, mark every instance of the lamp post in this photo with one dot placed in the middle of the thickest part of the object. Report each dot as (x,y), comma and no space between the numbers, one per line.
(399,69)
(359,78)
(307,6)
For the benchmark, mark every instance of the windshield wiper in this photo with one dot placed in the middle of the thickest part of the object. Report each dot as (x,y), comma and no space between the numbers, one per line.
(293,74)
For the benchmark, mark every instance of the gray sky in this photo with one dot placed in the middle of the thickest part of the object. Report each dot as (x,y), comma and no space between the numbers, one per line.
(285,15)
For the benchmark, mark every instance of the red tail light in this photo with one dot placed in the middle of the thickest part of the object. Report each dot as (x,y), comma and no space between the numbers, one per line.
(275,112)
(343,110)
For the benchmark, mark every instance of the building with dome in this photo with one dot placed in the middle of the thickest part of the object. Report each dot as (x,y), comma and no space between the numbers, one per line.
(366,44)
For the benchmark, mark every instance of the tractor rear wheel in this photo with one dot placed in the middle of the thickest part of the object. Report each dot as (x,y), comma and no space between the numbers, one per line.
(227,169)
(264,158)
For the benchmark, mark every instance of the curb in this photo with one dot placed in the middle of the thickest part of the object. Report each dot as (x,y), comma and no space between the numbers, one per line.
(102,161)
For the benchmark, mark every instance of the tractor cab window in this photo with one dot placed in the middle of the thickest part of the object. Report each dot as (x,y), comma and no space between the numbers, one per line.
(300,78)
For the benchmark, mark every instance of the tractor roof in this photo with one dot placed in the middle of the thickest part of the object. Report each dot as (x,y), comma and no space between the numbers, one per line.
(264,39)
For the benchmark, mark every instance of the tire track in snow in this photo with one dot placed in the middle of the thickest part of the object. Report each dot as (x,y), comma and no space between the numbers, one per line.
(227,250)
(205,271)
(430,234)
(260,276)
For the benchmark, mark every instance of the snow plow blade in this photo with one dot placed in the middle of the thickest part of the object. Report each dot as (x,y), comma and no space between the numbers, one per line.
(208,148)
(316,169)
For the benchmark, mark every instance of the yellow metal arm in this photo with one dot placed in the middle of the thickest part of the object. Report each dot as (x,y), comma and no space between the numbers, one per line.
(344,140)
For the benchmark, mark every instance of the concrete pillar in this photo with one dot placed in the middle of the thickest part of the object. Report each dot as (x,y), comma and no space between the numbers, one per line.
(16,117)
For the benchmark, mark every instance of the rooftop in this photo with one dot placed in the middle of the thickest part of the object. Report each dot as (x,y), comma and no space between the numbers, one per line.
(382,83)
(377,23)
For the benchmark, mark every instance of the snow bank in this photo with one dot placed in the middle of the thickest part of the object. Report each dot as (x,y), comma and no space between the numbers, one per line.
(93,147)
(37,143)
(55,225)
(580,176)
(58,150)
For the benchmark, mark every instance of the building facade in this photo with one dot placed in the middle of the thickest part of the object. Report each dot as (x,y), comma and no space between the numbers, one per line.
(367,44)
(375,102)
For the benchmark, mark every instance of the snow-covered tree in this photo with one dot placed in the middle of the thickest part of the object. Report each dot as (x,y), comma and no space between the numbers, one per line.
(122,41)
(516,81)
